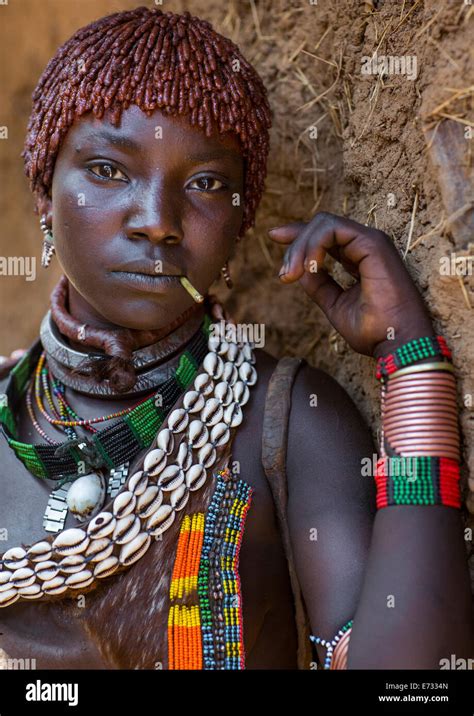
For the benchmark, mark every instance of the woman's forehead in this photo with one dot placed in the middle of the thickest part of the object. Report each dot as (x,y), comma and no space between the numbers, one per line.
(137,130)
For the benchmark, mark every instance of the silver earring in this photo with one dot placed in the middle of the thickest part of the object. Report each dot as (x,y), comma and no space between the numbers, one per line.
(226,274)
(48,245)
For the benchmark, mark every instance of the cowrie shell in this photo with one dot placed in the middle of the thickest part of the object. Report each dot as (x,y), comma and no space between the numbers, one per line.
(56,590)
(5,577)
(23,577)
(39,552)
(207,455)
(80,579)
(124,504)
(165,440)
(241,392)
(46,570)
(223,393)
(86,495)
(100,549)
(178,420)
(218,345)
(196,477)
(138,483)
(158,529)
(193,401)
(171,477)
(214,365)
(247,373)
(220,434)
(155,461)
(230,373)
(198,435)
(213,343)
(33,591)
(212,412)
(106,567)
(184,457)
(71,541)
(72,563)
(149,501)
(8,597)
(204,384)
(134,550)
(239,359)
(126,529)
(179,498)
(221,347)
(247,353)
(232,353)
(102,525)
(53,584)
(160,517)
(233,415)
(15,558)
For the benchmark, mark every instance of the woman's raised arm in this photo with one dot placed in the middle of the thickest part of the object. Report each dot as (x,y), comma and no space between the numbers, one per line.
(399,582)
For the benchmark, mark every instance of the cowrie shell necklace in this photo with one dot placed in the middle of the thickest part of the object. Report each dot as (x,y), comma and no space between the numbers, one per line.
(149,502)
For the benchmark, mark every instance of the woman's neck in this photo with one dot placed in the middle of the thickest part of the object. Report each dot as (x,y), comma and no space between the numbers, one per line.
(131,359)
(74,319)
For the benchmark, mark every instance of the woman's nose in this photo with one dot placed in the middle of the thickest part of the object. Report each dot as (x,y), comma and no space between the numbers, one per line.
(156,218)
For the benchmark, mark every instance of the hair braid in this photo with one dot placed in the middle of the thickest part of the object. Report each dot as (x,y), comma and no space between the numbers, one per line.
(156,60)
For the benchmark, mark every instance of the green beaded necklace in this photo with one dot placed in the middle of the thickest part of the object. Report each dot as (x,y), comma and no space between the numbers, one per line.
(112,446)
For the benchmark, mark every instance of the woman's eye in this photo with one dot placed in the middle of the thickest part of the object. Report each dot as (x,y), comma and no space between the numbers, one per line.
(208,183)
(107,172)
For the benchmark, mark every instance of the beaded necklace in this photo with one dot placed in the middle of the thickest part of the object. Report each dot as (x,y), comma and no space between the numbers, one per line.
(205,627)
(42,376)
(178,463)
(112,446)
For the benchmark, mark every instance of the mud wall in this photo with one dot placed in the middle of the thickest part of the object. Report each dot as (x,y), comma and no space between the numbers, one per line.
(391,149)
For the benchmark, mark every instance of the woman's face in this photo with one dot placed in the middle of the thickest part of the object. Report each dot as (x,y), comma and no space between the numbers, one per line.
(153,195)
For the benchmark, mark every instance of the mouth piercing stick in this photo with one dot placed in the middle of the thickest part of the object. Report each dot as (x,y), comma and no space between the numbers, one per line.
(191,290)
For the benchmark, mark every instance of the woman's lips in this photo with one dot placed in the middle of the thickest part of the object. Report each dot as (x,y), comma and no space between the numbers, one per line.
(147,283)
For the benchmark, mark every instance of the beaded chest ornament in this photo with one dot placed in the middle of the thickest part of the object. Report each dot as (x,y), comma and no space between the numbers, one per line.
(182,454)
(106,452)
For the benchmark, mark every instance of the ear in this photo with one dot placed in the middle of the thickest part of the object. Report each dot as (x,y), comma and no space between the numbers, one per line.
(44,207)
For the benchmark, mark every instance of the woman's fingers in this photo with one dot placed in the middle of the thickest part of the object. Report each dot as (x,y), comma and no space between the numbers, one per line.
(14,355)
(18,353)
(322,289)
(286,234)
(348,242)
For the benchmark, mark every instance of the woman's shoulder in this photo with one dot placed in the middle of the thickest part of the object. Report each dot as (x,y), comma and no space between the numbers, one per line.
(302,377)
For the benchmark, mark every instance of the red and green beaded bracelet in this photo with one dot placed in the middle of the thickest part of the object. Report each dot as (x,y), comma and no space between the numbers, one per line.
(412,352)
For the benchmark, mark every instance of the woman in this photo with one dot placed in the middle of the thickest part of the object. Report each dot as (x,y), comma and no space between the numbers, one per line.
(146,155)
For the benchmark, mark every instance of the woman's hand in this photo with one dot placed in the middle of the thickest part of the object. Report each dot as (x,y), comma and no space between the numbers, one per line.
(14,356)
(384,296)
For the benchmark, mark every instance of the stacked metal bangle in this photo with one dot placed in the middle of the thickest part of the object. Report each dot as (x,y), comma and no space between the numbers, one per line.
(420,447)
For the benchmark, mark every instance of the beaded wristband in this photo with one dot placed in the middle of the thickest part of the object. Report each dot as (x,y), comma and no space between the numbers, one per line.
(331,645)
(419,462)
(417,481)
(412,352)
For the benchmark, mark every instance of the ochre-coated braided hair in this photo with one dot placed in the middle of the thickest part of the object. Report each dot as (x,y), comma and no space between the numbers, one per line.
(156,60)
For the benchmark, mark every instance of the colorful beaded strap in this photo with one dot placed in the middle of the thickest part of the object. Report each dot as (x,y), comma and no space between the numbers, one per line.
(205,617)
(421,480)
(412,352)
(114,445)
(331,645)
